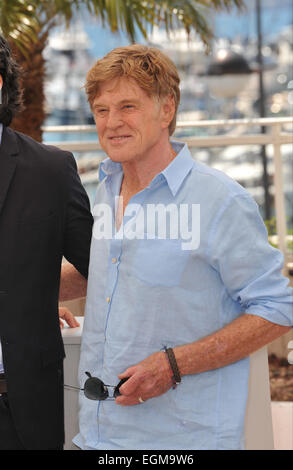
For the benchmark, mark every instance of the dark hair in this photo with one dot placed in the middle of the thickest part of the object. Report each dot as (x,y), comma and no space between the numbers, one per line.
(11,91)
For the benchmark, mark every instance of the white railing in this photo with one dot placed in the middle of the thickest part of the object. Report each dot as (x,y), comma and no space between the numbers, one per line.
(275,135)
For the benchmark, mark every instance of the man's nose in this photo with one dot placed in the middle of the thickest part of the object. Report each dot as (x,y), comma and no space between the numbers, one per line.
(114,119)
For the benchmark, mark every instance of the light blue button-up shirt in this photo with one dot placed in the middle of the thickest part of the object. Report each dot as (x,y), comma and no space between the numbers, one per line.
(146,292)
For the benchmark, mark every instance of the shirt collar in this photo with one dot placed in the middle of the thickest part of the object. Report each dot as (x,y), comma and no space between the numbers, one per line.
(107,168)
(179,167)
(174,173)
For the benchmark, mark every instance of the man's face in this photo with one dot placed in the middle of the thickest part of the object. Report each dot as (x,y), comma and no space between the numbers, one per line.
(130,124)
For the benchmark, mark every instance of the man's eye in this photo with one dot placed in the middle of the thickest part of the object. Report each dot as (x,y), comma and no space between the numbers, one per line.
(128,106)
(100,112)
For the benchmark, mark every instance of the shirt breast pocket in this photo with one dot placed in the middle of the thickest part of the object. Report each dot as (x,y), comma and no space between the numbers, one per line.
(160,262)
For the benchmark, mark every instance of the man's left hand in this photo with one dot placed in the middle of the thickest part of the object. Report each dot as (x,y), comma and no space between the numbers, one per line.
(147,379)
(69,318)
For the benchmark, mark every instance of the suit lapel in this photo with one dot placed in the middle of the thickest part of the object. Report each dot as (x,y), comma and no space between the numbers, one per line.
(8,161)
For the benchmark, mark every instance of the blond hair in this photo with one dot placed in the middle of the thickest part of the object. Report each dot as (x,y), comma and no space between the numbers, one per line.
(153,71)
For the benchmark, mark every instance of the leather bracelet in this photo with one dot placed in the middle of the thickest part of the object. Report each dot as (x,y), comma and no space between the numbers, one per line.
(176,379)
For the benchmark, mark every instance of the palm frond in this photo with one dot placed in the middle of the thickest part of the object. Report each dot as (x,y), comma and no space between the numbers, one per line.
(190,14)
(23,20)
(18,22)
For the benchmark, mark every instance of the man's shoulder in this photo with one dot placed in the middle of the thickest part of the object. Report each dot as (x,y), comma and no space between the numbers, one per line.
(31,148)
(215,181)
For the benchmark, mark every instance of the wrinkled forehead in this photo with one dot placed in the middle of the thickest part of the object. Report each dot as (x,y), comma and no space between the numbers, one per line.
(120,88)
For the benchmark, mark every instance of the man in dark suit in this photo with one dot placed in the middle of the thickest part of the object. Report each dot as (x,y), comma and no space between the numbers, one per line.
(44,215)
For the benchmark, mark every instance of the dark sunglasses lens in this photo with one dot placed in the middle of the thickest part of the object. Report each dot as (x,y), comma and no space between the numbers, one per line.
(94,389)
(116,390)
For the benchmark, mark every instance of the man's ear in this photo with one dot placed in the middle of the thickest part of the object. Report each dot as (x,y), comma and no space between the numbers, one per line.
(168,110)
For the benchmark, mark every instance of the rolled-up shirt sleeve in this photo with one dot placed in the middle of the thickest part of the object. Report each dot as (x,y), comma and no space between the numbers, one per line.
(250,268)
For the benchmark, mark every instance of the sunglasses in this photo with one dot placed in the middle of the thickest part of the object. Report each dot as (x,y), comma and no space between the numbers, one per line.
(95,389)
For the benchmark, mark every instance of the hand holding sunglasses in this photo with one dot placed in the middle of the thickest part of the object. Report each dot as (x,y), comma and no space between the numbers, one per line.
(95,389)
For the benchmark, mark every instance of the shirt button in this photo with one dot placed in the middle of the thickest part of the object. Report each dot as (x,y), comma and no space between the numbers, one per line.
(108,299)
(114,260)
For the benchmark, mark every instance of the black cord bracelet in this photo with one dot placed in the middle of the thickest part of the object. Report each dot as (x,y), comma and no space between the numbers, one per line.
(176,379)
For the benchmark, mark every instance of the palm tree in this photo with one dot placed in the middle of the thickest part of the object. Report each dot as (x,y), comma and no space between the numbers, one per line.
(27,24)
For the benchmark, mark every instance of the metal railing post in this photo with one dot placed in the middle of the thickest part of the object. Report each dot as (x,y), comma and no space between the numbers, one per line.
(279,191)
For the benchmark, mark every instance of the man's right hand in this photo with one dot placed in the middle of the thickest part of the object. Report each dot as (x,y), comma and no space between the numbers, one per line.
(147,379)
(69,318)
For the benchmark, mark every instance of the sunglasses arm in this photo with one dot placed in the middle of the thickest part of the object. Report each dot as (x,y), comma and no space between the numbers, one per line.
(71,386)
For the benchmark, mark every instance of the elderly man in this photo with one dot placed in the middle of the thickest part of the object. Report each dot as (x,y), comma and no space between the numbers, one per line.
(175,303)
(44,214)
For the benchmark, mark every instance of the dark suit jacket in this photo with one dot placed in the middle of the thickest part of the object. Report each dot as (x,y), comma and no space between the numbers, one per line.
(44,215)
